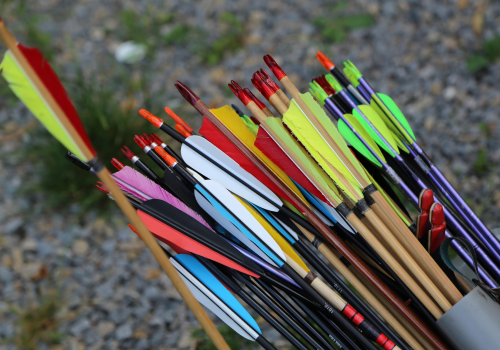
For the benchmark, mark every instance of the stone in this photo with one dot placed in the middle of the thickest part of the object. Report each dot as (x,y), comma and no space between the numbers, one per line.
(80,247)
(13,225)
(123,332)
(80,326)
(105,327)
(142,344)
(152,274)
(29,245)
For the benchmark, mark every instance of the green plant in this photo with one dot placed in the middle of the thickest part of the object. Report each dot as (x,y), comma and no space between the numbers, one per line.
(481,165)
(490,53)
(39,323)
(230,40)
(233,339)
(142,28)
(334,26)
(109,124)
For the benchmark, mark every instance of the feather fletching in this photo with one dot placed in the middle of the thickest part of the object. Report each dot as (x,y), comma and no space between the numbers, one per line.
(153,190)
(47,99)
(316,146)
(276,125)
(330,128)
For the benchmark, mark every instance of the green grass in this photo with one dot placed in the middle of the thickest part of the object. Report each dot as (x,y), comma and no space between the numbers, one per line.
(335,25)
(143,28)
(481,165)
(109,126)
(230,40)
(39,323)
(233,339)
(490,53)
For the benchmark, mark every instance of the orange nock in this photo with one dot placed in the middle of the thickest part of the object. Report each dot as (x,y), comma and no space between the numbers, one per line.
(165,156)
(325,61)
(152,118)
(182,130)
(178,119)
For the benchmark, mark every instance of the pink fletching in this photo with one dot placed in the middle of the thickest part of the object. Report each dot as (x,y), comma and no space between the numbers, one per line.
(143,188)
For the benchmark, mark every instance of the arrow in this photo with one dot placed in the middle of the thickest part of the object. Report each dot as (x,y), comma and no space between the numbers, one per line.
(32,79)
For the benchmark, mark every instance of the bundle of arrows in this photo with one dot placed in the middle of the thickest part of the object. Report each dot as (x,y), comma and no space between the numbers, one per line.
(297,211)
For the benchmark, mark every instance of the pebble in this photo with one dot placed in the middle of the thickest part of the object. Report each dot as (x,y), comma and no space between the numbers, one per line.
(112,289)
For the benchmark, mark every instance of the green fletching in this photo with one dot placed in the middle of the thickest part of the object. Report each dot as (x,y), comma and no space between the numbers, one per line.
(391,105)
(390,121)
(316,96)
(374,118)
(333,82)
(351,77)
(356,142)
(353,69)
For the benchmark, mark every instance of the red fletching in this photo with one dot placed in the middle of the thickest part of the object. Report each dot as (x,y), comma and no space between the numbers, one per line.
(140,141)
(325,61)
(117,164)
(220,141)
(127,152)
(186,92)
(152,118)
(262,86)
(168,235)
(254,99)
(52,83)
(274,66)
(178,119)
(274,152)
(437,234)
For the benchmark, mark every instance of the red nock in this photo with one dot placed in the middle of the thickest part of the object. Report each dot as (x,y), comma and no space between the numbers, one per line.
(156,138)
(134,230)
(166,157)
(267,78)
(148,139)
(249,93)
(262,86)
(236,89)
(101,187)
(274,66)
(186,92)
(117,164)
(140,141)
(127,152)
(152,118)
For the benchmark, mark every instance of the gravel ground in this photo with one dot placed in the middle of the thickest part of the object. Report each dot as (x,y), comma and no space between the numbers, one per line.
(113,294)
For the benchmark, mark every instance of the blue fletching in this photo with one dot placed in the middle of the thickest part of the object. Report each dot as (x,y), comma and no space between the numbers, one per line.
(311,199)
(239,226)
(203,275)
(275,224)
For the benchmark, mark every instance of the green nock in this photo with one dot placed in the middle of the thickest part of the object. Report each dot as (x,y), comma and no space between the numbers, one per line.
(353,69)
(333,82)
(318,92)
(351,77)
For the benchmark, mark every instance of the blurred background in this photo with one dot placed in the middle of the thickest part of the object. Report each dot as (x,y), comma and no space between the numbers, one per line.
(72,275)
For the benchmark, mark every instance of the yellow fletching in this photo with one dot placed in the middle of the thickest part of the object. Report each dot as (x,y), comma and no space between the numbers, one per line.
(284,245)
(238,127)
(276,125)
(316,146)
(24,89)
(333,132)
